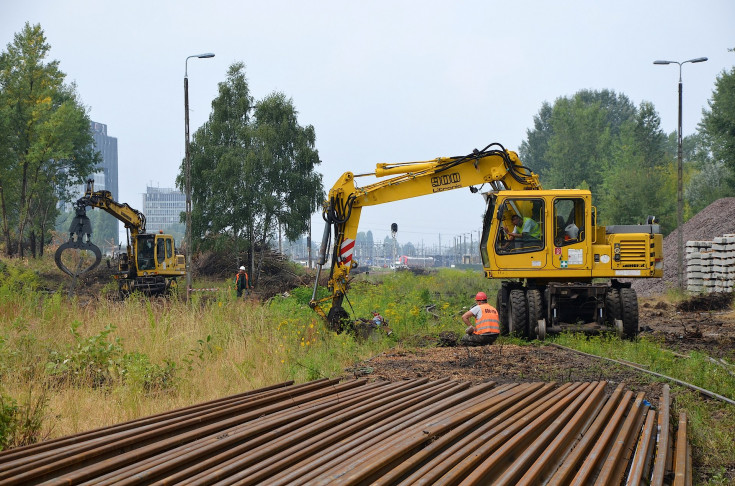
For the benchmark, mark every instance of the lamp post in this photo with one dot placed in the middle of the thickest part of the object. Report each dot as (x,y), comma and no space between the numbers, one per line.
(187,169)
(680,183)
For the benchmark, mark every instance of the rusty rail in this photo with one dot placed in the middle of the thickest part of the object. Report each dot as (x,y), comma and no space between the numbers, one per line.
(358,432)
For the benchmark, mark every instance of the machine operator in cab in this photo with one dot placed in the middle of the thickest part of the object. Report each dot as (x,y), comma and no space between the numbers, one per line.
(486,328)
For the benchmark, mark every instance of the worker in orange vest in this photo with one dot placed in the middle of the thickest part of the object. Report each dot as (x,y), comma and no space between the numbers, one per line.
(486,328)
(241,282)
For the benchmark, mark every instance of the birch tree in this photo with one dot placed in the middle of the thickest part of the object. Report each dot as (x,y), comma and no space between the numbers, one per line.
(45,140)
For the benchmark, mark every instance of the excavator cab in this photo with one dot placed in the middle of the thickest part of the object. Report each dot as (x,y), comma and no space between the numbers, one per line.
(156,255)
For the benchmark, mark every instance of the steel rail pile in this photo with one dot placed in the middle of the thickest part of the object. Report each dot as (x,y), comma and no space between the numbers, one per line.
(360,432)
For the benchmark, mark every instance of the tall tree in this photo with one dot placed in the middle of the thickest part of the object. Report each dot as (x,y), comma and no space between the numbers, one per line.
(581,134)
(599,140)
(291,190)
(252,174)
(641,179)
(579,147)
(533,150)
(718,123)
(45,141)
(708,179)
(222,183)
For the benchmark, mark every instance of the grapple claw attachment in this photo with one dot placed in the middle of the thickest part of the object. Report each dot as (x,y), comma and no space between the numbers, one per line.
(78,245)
(82,229)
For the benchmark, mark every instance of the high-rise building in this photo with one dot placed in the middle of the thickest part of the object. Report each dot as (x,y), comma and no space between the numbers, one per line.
(106,175)
(104,226)
(162,208)
(105,178)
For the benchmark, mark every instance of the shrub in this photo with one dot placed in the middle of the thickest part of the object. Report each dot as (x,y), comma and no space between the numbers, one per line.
(138,372)
(93,360)
(21,424)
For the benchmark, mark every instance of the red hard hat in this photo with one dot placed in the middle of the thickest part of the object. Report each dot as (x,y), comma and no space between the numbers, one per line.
(481,296)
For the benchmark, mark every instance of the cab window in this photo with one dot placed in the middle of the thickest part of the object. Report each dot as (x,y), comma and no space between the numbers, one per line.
(160,250)
(521,227)
(145,254)
(568,221)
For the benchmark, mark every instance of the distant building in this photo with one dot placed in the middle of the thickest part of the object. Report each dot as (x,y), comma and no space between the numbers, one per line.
(105,176)
(162,208)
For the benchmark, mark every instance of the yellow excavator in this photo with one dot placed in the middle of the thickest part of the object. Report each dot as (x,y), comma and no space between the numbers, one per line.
(150,263)
(560,268)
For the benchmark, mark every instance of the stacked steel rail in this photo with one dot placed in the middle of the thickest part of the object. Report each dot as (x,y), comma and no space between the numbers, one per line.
(360,432)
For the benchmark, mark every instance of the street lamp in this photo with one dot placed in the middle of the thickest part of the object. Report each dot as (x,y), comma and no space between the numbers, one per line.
(187,168)
(680,183)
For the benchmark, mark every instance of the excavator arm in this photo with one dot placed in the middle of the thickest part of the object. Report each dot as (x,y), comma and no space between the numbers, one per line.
(80,229)
(494,165)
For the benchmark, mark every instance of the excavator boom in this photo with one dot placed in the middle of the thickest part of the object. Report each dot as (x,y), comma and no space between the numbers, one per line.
(494,165)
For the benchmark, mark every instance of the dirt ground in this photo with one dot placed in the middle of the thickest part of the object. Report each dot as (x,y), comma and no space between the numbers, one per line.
(703,323)
(500,363)
(709,329)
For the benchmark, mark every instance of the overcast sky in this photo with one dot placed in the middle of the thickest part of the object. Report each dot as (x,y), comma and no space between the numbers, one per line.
(381,81)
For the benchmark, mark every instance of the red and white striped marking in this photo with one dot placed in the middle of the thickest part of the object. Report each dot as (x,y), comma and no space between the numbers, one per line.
(345,250)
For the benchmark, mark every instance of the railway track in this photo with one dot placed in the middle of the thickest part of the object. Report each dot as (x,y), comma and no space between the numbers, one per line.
(359,432)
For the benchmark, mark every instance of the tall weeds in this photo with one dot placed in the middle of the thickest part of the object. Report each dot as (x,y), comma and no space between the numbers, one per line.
(108,361)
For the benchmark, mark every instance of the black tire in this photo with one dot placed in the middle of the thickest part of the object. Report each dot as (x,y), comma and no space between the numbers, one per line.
(613,306)
(518,313)
(502,308)
(629,301)
(535,312)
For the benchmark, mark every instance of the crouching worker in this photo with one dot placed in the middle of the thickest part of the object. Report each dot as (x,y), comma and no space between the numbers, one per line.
(487,323)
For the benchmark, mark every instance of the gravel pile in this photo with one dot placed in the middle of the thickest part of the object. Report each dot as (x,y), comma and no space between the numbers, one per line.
(715,220)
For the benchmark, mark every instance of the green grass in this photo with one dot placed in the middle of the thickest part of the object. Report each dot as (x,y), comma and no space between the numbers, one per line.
(696,369)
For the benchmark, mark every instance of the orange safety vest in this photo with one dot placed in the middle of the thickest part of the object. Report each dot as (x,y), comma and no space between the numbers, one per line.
(237,280)
(489,321)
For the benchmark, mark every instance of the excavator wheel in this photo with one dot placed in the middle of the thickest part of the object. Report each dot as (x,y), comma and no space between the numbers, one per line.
(613,310)
(518,313)
(535,314)
(629,301)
